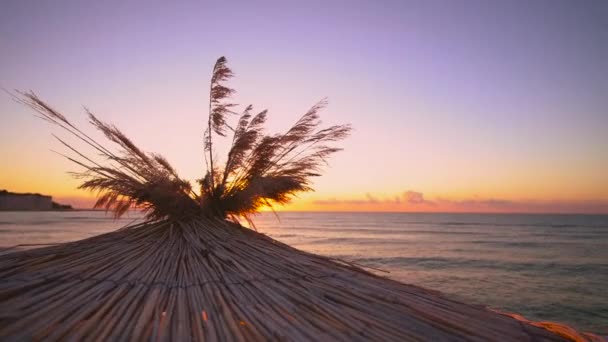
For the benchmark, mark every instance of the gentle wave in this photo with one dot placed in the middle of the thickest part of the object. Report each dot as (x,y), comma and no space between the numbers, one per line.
(441,262)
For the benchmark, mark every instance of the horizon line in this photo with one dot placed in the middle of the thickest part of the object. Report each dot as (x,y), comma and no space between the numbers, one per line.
(362,212)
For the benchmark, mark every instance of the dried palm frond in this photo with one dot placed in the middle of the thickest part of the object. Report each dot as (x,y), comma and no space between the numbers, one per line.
(263,170)
(129,178)
(260,169)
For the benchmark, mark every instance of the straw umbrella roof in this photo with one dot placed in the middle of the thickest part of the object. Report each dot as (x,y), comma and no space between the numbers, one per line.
(210,279)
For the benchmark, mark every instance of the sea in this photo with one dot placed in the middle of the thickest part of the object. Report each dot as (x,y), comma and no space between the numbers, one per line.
(544,267)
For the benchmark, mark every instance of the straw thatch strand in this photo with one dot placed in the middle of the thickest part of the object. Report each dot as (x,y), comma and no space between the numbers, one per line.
(209,279)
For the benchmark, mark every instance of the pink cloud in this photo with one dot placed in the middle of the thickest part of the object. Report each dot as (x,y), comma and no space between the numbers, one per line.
(415,200)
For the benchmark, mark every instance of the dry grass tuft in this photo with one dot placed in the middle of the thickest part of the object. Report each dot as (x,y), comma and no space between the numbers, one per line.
(260,169)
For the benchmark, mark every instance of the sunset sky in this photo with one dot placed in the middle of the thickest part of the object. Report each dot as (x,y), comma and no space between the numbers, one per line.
(468,106)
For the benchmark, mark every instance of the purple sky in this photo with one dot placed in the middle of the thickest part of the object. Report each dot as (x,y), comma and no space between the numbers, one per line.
(453,99)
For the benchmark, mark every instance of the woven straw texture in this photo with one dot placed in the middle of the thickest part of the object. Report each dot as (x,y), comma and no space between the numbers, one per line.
(213,280)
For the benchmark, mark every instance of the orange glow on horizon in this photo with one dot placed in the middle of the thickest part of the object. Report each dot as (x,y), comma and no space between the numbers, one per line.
(390,204)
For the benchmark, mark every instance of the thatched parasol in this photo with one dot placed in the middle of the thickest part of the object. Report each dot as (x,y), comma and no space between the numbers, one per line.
(191,272)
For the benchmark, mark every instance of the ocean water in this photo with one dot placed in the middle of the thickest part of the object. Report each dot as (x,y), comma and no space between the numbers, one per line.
(545,267)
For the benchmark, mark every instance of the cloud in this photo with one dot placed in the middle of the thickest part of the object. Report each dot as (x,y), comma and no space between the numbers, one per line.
(407,197)
(335,201)
(411,200)
(414,197)
(476,202)
(370,198)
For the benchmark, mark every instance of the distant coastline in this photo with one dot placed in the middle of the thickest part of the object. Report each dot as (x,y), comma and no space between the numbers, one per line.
(14,201)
